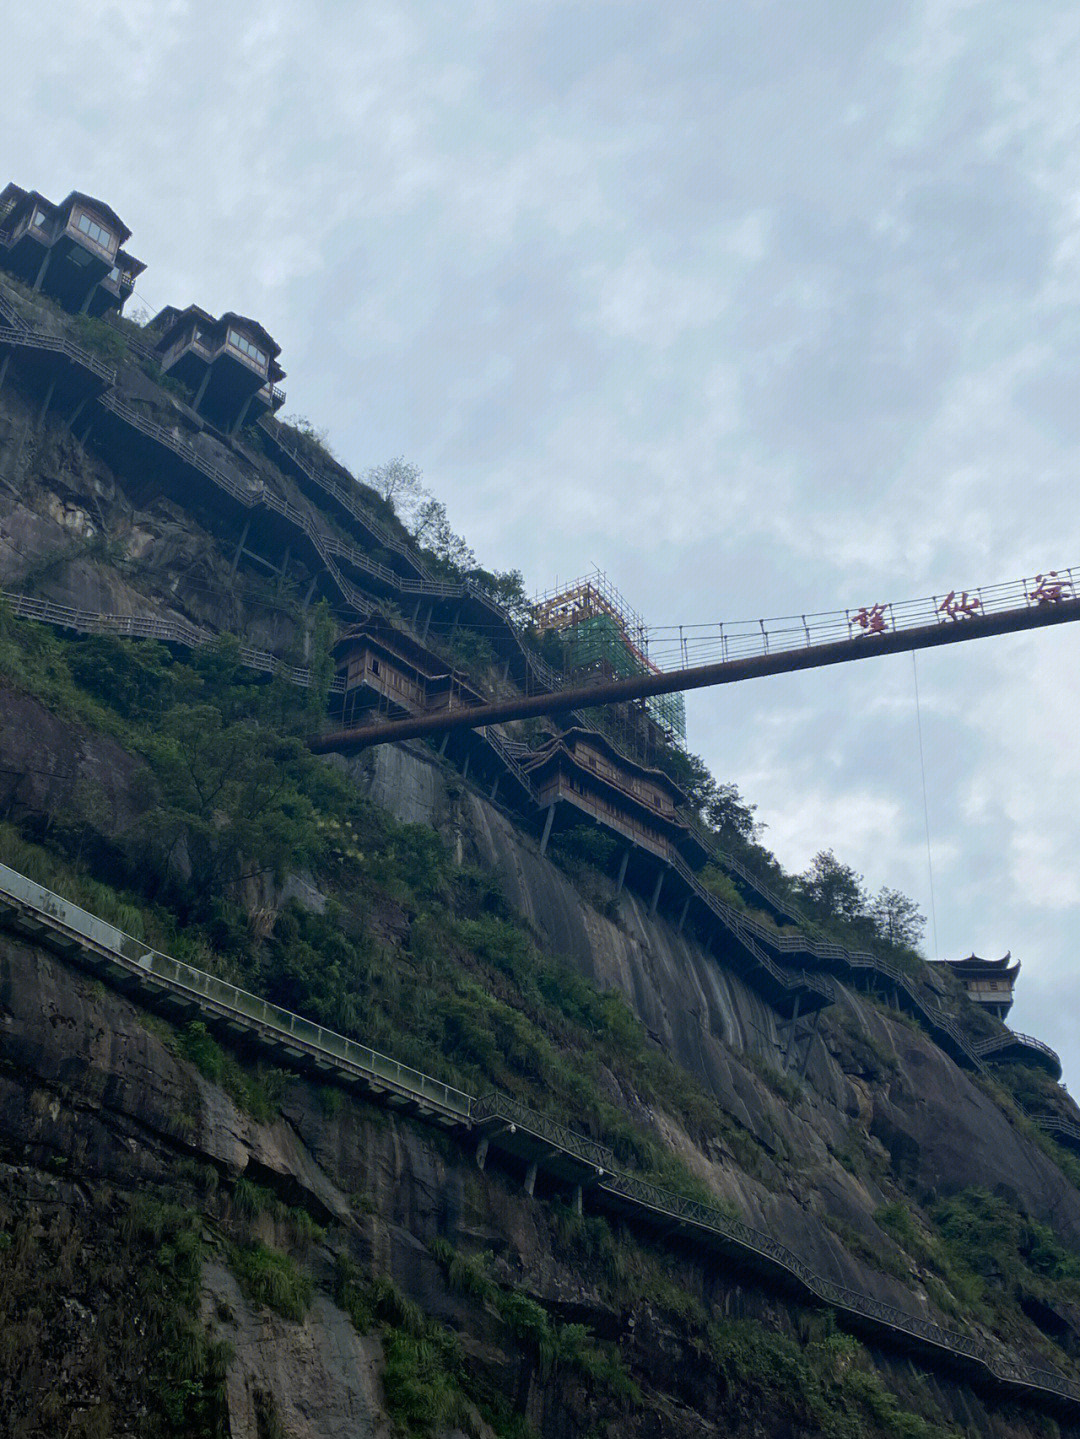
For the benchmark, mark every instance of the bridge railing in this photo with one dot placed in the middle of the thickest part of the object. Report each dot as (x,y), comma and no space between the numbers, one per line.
(678,647)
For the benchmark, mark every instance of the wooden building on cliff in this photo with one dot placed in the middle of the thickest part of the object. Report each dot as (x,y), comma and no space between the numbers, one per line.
(230,364)
(595,780)
(394,674)
(71,252)
(988,982)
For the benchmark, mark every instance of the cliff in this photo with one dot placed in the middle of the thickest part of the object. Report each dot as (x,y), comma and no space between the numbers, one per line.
(198,1238)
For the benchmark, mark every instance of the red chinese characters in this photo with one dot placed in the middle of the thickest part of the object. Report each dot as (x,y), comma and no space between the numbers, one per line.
(959,607)
(1048,589)
(872,620)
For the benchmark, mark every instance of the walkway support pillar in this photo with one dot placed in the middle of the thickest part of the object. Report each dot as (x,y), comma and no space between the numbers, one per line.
(46,402)
(622,870)
(40,277)
(4,368)
(495,791)
(656,892)
(202,389)
(809,1047)
(579,1206)
(481,1153)
(547,828)
(789,1048)
(530,1178)
(240,546)
(683,912)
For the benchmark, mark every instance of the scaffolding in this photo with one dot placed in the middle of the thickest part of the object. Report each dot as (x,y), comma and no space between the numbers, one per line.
(602,635)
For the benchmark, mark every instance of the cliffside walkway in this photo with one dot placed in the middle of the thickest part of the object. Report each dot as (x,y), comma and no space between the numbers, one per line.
(797,942)
(775,962)
(502,1122)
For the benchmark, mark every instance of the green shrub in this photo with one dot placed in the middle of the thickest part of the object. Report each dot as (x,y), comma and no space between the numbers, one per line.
(271,1278)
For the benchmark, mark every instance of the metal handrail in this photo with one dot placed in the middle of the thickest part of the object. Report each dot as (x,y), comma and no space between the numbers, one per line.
(729,1227)
(1012,1036)
(806,940)
(26,339)
(152,627)
(503,1106)
(142,962)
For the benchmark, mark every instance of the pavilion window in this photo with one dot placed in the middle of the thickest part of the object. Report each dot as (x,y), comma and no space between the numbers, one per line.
(245,346)
(93,231)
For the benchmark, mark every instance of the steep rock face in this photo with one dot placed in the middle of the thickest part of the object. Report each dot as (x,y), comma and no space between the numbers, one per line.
(76,533)
(86,1086)
(925,1113)
(56,773)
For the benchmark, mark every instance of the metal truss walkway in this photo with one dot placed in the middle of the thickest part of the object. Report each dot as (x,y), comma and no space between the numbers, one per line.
(502,1123)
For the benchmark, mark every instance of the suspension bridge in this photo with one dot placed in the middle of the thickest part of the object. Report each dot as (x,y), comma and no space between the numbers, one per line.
(728,653)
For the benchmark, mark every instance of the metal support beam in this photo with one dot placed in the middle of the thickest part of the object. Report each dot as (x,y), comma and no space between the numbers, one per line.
(4,368)
(40,278)
(530,1178)
(240,546)
(579,1205)
(202,388)
(77,411)
(310,592)
(793,1025)
(622,870)
(427,623)
(465,768)
(809,1047)
(495,791)
(656,892)
(481,1153)
(242,416)
(683,912)
(46,402)
(547,827)
(445,741)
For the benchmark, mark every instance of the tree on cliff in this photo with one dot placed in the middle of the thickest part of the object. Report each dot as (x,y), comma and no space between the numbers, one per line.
(832,890)
(897,918)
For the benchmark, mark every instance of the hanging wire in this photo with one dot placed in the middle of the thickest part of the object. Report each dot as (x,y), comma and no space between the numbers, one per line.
(926,806)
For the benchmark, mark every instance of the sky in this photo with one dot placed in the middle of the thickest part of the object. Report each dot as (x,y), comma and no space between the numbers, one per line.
(764,308)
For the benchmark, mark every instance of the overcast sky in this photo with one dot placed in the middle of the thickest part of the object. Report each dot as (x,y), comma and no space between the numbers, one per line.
(764,308)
